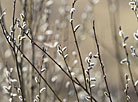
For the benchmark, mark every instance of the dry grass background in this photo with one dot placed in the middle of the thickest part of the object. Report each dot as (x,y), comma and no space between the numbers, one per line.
(125,18)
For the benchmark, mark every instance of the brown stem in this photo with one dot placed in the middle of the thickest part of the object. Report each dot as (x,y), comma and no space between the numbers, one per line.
(101,63)
(77,46)
(71,77)
(128,64)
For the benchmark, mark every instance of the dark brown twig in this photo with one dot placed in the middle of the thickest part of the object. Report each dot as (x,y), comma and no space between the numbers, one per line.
(101,63)
(76,42)
(20,77)
(128,63)
(68,69)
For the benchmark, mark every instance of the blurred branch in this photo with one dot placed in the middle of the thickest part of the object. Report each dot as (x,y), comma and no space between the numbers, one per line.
(7,34)
(1,12)
(113,8)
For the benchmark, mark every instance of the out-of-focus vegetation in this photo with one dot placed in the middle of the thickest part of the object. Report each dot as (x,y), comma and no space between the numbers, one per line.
(68,51)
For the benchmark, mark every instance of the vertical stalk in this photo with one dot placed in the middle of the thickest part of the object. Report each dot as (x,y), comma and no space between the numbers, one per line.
(76,42)
(114,21)
(33,49)
(128,64)
(16,54)
(101,63)
(69,71)
(22,45)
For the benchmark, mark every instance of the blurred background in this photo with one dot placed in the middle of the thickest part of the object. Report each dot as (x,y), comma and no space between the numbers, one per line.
(49,22)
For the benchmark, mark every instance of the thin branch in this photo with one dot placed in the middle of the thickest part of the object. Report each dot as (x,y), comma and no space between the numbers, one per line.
(1,12)
(5,34)
(89,82)
(71,79)
(77,82)
(101,63)
(128,63)
(15,53)
(76,42)
(33,48)
(126,88)
(68,69)
(22,43)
